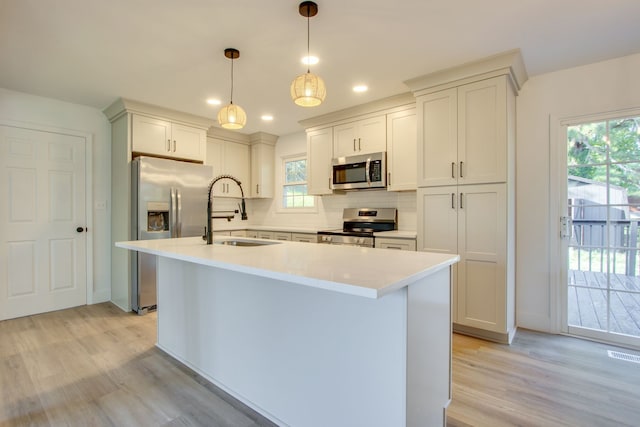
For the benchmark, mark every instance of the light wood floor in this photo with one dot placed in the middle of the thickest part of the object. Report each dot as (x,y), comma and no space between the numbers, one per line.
(542,380)
(97,366)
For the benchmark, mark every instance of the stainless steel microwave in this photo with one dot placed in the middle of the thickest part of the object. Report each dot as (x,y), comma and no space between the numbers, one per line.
(360,171)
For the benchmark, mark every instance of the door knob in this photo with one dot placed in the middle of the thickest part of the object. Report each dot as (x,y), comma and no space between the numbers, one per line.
(80,229)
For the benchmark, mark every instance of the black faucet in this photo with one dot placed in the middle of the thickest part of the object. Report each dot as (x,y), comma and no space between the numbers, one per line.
(243,210)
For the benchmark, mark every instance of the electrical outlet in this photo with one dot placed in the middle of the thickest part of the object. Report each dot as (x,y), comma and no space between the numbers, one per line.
(101,205)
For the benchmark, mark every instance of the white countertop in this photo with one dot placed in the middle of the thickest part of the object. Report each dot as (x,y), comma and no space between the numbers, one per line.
(352,270)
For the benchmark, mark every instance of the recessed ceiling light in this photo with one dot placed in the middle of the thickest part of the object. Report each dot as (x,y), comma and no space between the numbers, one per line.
(267,117)
(310,60)
(360,88)
(214,102)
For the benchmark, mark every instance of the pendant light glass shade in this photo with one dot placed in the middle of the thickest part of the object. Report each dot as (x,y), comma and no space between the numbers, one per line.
(232,117)
(308,90)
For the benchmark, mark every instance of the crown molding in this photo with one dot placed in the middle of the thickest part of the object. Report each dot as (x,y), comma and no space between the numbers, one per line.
(510,63)
(378,106)
(122,106)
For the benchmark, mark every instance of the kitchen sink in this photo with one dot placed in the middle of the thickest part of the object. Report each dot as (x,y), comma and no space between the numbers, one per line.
(244,242)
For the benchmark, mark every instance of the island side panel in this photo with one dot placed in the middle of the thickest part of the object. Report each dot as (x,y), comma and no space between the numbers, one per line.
(299,355)
(429,350)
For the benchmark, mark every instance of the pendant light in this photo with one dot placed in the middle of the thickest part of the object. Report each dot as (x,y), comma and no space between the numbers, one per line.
(308,90)
(232,116)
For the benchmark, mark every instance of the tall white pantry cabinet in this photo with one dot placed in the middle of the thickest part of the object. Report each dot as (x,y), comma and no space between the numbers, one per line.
(466,182)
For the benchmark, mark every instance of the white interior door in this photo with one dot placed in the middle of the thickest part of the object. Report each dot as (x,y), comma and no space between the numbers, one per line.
(42,222)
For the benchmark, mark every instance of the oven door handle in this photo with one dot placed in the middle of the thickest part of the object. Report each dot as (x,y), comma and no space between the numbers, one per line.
(367,171)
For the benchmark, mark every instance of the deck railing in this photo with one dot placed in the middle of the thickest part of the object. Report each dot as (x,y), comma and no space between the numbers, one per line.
(590,245)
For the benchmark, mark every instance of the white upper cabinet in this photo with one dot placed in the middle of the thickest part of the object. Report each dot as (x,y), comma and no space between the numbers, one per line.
(319,155)
(463,136)
(262,170)
(231,158)
(482,131)
(437,151)
(360,137)
(401,150)
(167,139)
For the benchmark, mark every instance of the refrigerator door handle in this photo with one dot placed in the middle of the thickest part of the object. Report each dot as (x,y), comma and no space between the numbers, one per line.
(178,213)
(173,229)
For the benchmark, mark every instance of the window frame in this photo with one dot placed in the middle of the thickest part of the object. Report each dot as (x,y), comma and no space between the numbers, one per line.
(283,184)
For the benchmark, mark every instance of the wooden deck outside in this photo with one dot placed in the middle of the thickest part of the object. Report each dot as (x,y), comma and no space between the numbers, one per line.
(588,302)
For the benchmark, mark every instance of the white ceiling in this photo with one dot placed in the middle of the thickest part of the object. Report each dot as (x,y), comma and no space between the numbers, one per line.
(170,52)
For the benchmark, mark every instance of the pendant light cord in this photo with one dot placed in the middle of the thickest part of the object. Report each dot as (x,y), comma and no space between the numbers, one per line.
(308,36)
(231,79)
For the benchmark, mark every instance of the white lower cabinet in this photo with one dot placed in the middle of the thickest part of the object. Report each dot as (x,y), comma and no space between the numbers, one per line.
(304,237)
(265,235)
(396,243)
(251,233)
(472,220)
(281,235)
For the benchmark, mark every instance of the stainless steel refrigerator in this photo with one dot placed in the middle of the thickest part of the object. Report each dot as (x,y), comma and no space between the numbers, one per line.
(168,199)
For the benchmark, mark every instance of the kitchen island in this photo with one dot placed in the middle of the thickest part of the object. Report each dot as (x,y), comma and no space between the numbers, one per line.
(311,335)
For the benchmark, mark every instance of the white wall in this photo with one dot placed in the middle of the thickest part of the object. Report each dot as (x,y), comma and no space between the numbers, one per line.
(595,88)
(21,107)
(329,208)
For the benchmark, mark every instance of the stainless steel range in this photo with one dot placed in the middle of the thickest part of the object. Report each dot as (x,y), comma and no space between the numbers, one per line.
(358,227)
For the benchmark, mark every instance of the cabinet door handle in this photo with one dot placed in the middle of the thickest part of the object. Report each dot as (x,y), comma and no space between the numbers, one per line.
(359,145)
(461,163)
(453,200)
(394,247)
(354,144)
(168,145)
(257,188)
(389,178)
(453,174)
(461,195)
(174,145)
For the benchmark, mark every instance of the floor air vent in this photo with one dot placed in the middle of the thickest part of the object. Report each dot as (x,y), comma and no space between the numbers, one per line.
(624,356)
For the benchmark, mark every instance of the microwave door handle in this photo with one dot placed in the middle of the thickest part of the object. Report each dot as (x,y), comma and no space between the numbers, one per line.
(367,171)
